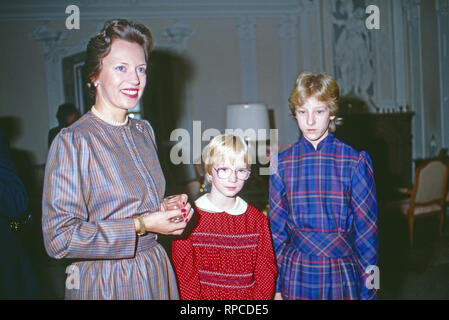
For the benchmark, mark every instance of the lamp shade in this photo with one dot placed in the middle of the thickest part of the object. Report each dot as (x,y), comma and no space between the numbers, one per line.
(247,116)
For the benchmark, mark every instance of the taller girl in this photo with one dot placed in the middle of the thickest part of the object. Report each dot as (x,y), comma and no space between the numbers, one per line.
(323,209)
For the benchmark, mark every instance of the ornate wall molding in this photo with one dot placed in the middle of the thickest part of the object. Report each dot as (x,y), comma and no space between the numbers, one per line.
(147,9)
(49,38)
(442,9)
(400,81)
(248,58)
(413,13)
(310,17)
(289,60)
(52,42)
(177,35)
(176,40)
(293,15)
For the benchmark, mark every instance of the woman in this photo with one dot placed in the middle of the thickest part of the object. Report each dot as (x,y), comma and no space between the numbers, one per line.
(104,185)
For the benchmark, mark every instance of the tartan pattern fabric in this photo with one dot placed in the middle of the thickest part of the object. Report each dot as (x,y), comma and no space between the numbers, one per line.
(329,244)
(97,178)
(323,218)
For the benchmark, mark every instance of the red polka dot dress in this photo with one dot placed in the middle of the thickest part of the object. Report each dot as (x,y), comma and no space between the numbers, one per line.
(228,256)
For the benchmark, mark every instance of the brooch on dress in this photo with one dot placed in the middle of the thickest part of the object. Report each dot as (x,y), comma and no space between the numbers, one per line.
(139,127)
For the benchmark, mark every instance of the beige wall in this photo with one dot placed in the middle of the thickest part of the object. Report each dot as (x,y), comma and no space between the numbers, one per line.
(214,53)
(269,68)
(23,88)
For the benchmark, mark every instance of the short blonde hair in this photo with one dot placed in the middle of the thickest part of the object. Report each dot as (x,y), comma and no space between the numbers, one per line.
(320,86)
(225,147)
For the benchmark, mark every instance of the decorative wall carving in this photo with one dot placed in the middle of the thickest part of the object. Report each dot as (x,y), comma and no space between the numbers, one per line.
(248,60)
(49,38)
(177,35)
(341,45)
(353,51)
(442,9)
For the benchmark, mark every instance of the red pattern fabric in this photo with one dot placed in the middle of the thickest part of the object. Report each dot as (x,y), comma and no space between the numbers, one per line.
(226,257)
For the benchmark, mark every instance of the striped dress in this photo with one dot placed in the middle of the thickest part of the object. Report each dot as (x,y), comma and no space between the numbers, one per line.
(323,216)
(97,178)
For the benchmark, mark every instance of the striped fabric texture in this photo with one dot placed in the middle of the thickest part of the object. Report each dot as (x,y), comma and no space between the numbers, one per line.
(226,257)
(97,178)
(323,218)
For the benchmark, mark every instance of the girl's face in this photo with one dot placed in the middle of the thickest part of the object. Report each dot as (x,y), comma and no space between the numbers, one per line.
(122,78)
(313,120)
(228,187)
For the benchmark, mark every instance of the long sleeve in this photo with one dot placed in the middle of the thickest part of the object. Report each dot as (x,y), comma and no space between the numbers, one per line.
(364,206)
(266,268)
(277,214)
(13,196)
(187,272)
(68,231)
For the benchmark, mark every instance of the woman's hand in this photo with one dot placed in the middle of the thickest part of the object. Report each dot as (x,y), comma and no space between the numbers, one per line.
(161,221)
(164,222)
(278,296)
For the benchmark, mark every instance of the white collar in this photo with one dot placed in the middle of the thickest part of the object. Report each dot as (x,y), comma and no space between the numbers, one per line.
(239,208)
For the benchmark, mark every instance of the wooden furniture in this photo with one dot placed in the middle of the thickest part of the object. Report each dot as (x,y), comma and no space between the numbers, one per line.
(427,197)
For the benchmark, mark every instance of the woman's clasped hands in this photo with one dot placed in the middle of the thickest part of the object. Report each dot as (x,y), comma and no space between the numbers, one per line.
(171,219)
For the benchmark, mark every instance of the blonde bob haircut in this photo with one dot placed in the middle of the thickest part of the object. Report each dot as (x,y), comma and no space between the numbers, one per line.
(319,86)
(225,147)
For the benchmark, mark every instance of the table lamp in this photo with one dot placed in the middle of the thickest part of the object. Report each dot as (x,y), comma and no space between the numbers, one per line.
(251,121)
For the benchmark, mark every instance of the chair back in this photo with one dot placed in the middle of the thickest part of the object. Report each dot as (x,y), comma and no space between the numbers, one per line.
(430,183)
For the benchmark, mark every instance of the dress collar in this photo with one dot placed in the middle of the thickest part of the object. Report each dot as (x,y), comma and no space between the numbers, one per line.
(110,121)
(326,141)
(205,204)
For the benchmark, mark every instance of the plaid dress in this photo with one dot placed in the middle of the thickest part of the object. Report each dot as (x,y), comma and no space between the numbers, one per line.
(323,215)
(97,178)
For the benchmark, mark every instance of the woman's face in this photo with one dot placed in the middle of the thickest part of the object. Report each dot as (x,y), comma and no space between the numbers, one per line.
(122,78)
(313,120)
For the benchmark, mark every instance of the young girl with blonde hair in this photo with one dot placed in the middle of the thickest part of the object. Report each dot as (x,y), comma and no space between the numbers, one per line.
(229,254)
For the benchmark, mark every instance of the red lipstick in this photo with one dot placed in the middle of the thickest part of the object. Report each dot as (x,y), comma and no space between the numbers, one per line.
(130,92)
